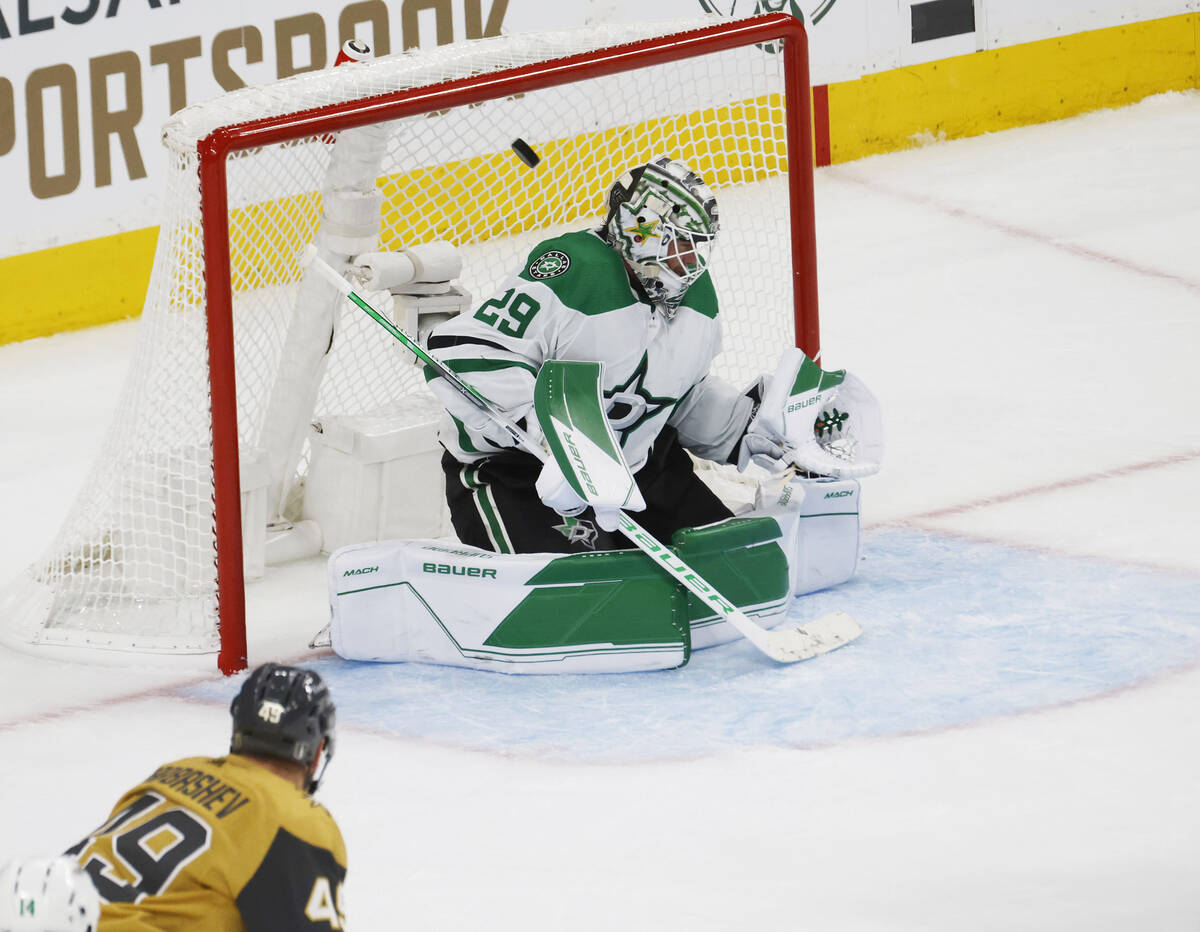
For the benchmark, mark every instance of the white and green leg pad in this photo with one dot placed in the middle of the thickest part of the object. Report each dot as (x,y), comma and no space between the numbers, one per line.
(746,560)
(616,612)
(827,541)
(804,535)
(433,602)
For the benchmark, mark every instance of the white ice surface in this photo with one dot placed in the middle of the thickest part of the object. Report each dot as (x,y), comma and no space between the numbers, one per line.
(1013,744)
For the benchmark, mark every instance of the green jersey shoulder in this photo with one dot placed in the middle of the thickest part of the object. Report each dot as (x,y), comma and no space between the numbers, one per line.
(702,297)
(584,273)
(588,275)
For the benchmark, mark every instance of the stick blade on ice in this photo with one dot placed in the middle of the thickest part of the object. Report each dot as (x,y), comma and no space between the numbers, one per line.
(789,644)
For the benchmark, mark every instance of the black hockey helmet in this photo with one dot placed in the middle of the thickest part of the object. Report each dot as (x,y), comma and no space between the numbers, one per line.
(285,712)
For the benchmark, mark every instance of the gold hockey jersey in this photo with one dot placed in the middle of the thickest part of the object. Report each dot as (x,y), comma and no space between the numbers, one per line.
(216,844)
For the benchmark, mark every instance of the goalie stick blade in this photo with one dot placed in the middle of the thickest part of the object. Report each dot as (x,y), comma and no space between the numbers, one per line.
(829,632)
(323,638)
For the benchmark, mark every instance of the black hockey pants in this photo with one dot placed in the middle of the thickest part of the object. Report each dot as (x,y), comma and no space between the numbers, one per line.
(494,505)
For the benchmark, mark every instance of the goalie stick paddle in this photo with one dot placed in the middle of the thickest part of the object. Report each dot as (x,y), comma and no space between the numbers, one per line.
(567,400)
(784,645)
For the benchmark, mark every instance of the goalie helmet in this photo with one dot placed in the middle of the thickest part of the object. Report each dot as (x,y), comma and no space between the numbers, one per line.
(662,219)
(285,712)
(47,895)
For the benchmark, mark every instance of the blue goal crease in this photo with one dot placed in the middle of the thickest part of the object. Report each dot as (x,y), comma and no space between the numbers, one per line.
(955,632)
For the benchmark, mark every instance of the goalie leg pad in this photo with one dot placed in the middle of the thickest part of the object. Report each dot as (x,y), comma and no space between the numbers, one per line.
(746,560)
(803,535)
(828,537)
(432,602)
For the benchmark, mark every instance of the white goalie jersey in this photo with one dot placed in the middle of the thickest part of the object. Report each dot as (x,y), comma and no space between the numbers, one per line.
(572,300)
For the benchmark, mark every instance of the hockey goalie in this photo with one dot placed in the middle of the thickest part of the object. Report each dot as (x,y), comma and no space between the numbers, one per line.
(611,332)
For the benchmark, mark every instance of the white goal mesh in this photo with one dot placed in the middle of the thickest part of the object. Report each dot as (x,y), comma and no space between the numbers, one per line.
(135,565)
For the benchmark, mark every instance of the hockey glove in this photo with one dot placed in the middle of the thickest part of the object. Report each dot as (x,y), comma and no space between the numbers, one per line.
(847,435)
(826,423)
(762,443)
(764,448)
(556,493)
(485,434)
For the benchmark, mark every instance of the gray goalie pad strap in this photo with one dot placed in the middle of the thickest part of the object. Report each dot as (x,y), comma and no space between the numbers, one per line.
(517,613)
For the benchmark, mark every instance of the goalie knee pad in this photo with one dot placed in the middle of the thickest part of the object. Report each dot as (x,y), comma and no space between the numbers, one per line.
(746,560)
(802,536)
(827,536)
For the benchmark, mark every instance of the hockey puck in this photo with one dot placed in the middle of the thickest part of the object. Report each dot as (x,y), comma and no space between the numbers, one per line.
(525,153)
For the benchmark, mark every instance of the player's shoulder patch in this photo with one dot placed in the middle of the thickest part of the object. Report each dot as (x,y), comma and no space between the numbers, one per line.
(585,273)
(559,255)
(550,264)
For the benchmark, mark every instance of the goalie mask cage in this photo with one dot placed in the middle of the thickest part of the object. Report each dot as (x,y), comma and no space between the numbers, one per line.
(238,349)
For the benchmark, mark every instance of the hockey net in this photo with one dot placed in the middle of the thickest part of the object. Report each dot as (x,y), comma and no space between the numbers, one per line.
(231,367)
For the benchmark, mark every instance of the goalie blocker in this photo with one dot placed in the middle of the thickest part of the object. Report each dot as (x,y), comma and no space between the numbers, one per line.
(609,612)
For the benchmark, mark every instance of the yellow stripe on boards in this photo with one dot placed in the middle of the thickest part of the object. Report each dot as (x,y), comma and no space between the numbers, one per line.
(956,97)
(736,143)
(75,286)
(1012,86)
(496,195)
(732,144)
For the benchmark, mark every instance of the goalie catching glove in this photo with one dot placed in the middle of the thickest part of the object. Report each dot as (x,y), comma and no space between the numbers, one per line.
(826,423)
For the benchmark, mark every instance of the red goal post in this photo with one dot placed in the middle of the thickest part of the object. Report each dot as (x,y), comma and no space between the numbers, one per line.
(230,243)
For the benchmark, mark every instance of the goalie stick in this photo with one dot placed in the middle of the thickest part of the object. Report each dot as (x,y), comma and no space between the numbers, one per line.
(784,645)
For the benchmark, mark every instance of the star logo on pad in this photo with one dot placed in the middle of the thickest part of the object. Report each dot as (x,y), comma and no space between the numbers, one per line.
(578,531)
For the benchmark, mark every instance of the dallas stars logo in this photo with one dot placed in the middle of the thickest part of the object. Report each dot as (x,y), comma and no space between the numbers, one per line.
(829,421)
(642,229)
(630,405)
(578,532)
(549,264)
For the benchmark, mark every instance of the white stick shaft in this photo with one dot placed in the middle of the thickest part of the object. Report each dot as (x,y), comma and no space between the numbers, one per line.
(310,257)
(670,561)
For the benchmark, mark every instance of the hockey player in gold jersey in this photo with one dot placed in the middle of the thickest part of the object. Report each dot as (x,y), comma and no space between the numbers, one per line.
(234,842)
